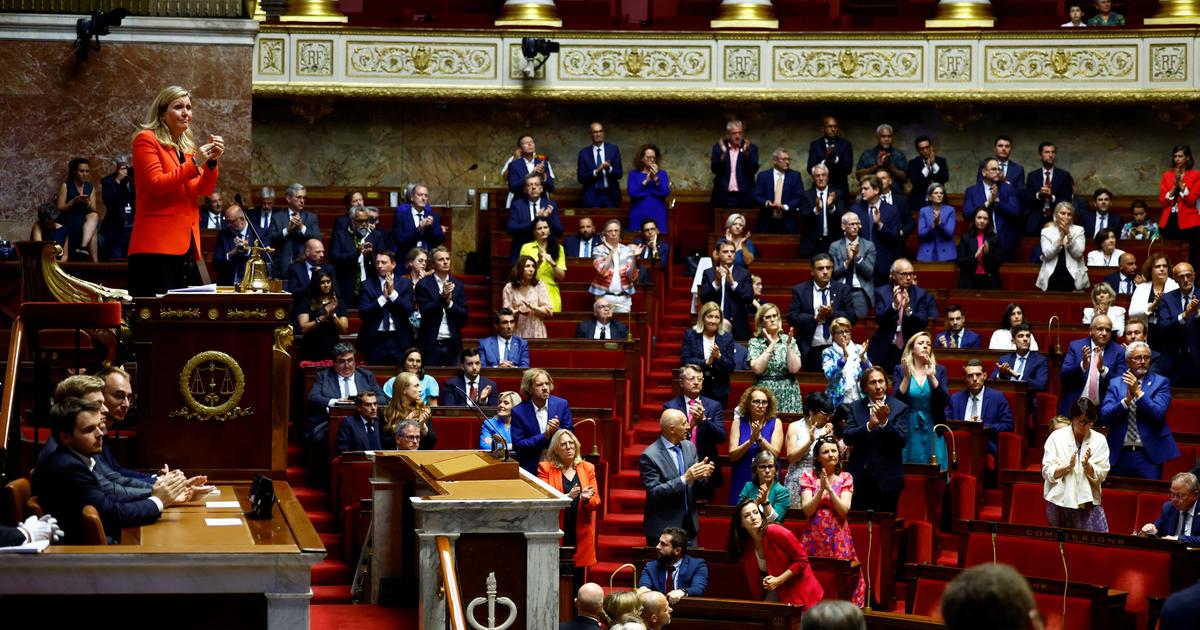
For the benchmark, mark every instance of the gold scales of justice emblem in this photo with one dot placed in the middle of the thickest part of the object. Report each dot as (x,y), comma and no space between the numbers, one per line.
(212,384)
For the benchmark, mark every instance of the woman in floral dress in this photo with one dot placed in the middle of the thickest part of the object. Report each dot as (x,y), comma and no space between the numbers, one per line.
(825,499)
(775,359)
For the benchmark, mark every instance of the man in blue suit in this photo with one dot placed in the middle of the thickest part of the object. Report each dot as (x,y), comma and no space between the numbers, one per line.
(581,243)
(927,169)
(1000,198)
(669,469)
(361,431)
(1177,329)
(599,172)
(443,303)
(820,214)
(706,425)
(815,304)
(523,211)
(734,163)
(384,308)
(977,403)
(1102,217)
(779,194)
(877,429)
(902,309)
(1076,374)
(674,574)
(353,254)
(1044,187)
(233,247)
(956,334)
(1178,520)
(1013,172)
(730,286)
(535,420)
(1024,364)
(337,385)
(1126,277)
(300,272)
(504,349)
(834,153)
(1135,412)
(417,224)
(881,224)
(291,230)
(526,162)
(469,383)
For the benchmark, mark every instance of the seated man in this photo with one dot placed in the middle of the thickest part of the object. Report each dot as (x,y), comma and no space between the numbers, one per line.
(1178,520)
(536,419)
(581,243)
(977,403)
(674,574)
(337,385)
(654,248)
(601,325)
(408,435)
(300,272)
(417,224)
(233,247)
(468,384)
(360,432)
(589,609)
(1126,277)
(504,349)
(956,334)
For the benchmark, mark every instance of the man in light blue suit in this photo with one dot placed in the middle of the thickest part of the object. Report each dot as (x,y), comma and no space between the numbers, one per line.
(504,349)
(1135,412)
(599,172)
(1000,198)
(536,419)
(674,574)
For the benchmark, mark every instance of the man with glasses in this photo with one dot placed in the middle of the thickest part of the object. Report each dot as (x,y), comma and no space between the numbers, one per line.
(902,309)
(417,225)
(1084,377)
(408,436)
(779,193)
(353,254)
(337,386)
(706,425)
(854,264)
(1177,329)
(599,171)
(815,304)
(1179,519)
(1001,200)
(1135,412)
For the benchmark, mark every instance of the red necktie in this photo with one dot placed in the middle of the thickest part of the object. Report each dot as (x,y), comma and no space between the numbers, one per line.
(670,578)
(471,391)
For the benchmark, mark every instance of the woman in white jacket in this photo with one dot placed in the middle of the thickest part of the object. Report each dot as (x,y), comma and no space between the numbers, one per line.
(1074,464)
(1063,244)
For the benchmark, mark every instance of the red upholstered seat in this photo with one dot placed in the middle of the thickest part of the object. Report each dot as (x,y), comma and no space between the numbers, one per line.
(1149,506)
(1183,416)
(1012,447)
(1028,506)
(1120,508)
(71,314)
(714,533)
(1188,455)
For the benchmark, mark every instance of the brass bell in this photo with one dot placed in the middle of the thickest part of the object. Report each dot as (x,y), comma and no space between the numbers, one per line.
(256,278)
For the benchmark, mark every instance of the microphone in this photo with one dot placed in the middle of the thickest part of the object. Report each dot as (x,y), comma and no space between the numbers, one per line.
(1062,552)
(483,419)
(994,527)
(455,179)
(867,565)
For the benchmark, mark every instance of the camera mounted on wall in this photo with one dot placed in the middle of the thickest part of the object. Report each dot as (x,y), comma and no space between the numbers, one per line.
(89,28)
(536,51)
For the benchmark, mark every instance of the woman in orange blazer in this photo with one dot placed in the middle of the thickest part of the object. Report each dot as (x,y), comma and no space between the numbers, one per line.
(1179,184)
(568,473)
(171,173)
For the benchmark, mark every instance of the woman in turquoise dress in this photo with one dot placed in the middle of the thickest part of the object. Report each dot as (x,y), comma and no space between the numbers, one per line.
(921,384)
(775,359)
(755,429)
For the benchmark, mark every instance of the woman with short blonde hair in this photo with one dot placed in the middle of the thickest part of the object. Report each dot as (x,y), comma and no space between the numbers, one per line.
(565,470)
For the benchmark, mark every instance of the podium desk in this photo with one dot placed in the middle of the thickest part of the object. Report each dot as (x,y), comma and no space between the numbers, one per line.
(253,573)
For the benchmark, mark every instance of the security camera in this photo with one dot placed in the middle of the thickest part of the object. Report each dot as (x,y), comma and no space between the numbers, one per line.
(536,51)
(529,68)
(93,27)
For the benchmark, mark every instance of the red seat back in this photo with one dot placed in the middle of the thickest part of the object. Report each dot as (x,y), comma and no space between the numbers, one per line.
(1183,416)
(1120,508)
(1149,506)
(1028,505)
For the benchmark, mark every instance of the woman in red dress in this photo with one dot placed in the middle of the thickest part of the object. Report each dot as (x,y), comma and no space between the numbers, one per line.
(774,561)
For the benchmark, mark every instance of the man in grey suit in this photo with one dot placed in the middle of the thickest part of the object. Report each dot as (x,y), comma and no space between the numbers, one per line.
(668,470)
(854,264)
(291,229)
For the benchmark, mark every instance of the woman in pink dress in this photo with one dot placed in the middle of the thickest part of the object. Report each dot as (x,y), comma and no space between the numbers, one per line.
(825,498)
(528,298)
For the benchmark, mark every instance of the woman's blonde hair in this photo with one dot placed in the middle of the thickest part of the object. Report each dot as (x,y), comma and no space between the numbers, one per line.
(762,312)
(1058,422)
(840,322)
(552,449)
(510,394)
(397,410)
(154,120)
(1103,287)
(906,356)
(705,309)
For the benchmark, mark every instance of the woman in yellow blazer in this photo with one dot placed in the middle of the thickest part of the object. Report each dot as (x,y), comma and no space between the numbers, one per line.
(565,471)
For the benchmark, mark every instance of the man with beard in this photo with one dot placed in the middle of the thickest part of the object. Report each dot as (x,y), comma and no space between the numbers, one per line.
(877,429)
(674,574)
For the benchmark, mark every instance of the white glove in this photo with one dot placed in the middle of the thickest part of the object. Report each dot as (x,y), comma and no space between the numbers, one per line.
(44,528)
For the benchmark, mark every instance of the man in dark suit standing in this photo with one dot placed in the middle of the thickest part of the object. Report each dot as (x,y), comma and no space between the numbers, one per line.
(601,325)
(300,272)
(581,243)
(337,385)
(1012,172)
(779,194)
(1024,364)
(233,247)
(353,253)
(384,308)
(290,230)
(360,432)
(1135,412)
(1000,198)
(956,334)
(674,574)
(443,303)
(1177,329)
(820,214)
(877,429)
(526,162)
(654,248)
(815,304)
(734,164)
(504,349)
(523,211)
(262,215)
(928,169)
(1102,217)
(589,609)
(730,287)
(1180,518)
(706,425)
(212,212)
(669,471)
(1126,277)
(1045,187)
(535,419)
(902,309)
(1084,376)
(834,153)
(481,390)
(881,225)
(417,224)
(599,172)
(977,403)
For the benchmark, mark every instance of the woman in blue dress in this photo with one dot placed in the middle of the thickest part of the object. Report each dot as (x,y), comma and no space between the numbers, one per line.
(755,429)
(921,384)
(648,187)
(501,423)
(77,202)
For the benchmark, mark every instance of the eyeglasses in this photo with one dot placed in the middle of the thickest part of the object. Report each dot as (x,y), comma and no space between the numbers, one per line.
(906,274)
(410,438)
(121,397)
(758,403)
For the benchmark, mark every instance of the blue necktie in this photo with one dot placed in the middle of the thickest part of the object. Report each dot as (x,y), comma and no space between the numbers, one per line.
(825,302)
(679,464)
(603,183)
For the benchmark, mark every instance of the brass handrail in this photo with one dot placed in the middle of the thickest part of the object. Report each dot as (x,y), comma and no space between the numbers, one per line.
(7,398)
(454,604)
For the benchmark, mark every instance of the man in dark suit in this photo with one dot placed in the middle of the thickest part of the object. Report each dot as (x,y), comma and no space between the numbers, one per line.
(589,609)
(730,287)
(469,383)
(977,403)
(674,574)
(1076,376)
(385,307)
(526,162)
(291,230)
(669,470)
(417,224)
(443,303)
(854,264)
(891,194)
(815,304)
(654,248)
(1177,329)
(601,325)
(1000,198)
(1012,172)
(1126,277)
(1024,364)
(535,420)
(212,212)
(1180,518)
(300,272)
(353,200)
(956,334)
(353,253)
(361,431)
(876,428)
(820,214)
(337,385)
(233,247)
(504,349)
(262,215)
(881,225)
(1044,187)
(599,172)
(902,309)
(779,194)
(523,211)
(706,425)
(1135,412)
(928,169)
(1181,609)
(1102,217)
(834,153)
(734,163)
(581,243)
(883,157)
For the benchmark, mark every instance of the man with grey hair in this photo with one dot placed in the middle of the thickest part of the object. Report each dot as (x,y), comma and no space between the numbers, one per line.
(260,216)
(779,194)
(1178,520)
(902,309)
(833,614)
(820,214)
(1135,412)
(289,230)
(883,156)
(119,197)
(408,435)
(854,264)
(212,211)
(656,610)
(734,163)
(589,602)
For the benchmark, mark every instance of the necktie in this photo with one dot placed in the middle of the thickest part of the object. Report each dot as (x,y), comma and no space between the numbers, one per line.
(310,271)
(1046,183)
(604,331)
(900,330)
(345,387)
(504,352)
(266,219)
(420,217)
(957,340)
(733,157)
(386,323)
(692,406)
(824,215)
(1185,525)
(1101,223)
(1004,169)
(1132,437)
(825,302)
(973,412)
(871,223)
(533,210)
(603,183)
(1092,388)
(670,578)
(679,464)
(1020,370)
(587,248)
(778,187)
(1128,286)
(471,391)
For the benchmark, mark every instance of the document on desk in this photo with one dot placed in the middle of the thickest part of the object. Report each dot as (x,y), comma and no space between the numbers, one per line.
(222,522)
(213,505)
(30,547)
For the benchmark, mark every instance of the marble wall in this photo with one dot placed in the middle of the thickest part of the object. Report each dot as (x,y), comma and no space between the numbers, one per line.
(53,108)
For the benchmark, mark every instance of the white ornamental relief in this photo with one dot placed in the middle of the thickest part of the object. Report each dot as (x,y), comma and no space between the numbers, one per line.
(680,64)
(270,56)
(420,60)
(1057,64)
(953,63)
(1168,62)
(741,64)
(314,58)
(848,63)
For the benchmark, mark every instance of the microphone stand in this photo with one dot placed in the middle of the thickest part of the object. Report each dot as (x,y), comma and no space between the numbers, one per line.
(866,568)
(1062,552)
(471,404)
(455,179)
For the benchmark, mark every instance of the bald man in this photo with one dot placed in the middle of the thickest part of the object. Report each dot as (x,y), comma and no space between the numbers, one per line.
(669,469)
(588,604)
(656,611)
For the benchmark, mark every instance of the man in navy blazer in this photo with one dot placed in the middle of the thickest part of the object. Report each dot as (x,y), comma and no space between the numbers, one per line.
(443,303)
(730,287)
(504,349)
(978,403)
(1177,329)
(233,247)
(900,307)
(820,214)
(927,169)
(1102,217)
(1012,171)
(361,431)
(706,422)
(1126,277)
(1180,518)
(834,153)
(599,172)
(291,230)
(581,243)
(602,319)
(1024,364)
(778,216)
(654,249)
(881,224)
(734,163)
(300,272)
(589,609)
(688,575)
(527,162)
(1138,449)
(338,384)
(1000,198)
(482,390)
(535,419)
(1181,609)
(1074,373)
(417,224)
(523,211)
(957,335)
(815,304)
(354,245)
(1040,195)
(384,308)
(877,429)
(669,469)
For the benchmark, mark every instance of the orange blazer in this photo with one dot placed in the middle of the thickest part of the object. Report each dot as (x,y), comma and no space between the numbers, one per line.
(585,527)
(1188,216)
(168,216)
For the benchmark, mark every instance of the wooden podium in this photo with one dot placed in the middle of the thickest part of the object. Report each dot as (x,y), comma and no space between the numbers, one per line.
(499,519)
(214,382)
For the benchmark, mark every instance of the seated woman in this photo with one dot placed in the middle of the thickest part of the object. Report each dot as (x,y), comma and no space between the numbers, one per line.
(1147,295)
(1063,267)
(565,470)
(922,384)
(979,254)
(755,429)
(1106,253)
(775,359)
(414,364)
(765,490)
(843,363)
(704,345)
(551,260)
(47,228)
(774,560)
(826,493)
(322,318)
(736,232)
(501,423)
(528,298)
(935,227)
(1103,298)
(801,435)
(407,405)
(1002,338)
(1074,465)
(649,187)
(77,203)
